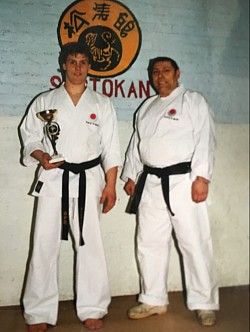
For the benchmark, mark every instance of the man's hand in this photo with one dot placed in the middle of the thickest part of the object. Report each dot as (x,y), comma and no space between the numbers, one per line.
(44,159)
(108,198)
(200,189)
(130,187)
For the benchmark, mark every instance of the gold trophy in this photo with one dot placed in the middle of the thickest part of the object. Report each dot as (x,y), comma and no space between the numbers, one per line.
(52,130)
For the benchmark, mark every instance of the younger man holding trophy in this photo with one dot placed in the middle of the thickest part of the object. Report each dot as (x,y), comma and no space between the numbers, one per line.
(72,133)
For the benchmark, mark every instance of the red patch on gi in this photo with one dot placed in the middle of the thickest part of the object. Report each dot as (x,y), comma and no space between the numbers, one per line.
(172,112)
(92,116)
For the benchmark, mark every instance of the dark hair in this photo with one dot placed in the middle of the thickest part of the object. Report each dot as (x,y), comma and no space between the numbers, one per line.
(69,49)
(153,61)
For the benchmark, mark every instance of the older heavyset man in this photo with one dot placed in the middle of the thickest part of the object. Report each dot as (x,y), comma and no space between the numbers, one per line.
(168,167)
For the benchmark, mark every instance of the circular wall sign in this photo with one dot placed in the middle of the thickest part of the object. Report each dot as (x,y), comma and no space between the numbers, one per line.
(109,30)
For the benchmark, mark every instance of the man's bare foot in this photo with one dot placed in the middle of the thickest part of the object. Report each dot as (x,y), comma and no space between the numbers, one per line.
(42,327)
(93,324)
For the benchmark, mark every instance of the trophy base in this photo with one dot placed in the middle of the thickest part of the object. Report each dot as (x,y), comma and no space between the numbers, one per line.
(56,159)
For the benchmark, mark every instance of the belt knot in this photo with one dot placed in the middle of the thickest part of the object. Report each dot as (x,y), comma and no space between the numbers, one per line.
(162,173)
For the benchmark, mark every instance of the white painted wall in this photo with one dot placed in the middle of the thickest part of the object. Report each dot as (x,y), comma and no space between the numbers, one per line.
(229,196)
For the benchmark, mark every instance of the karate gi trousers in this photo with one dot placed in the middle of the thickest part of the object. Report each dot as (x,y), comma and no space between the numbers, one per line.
(91,283)
(192,229)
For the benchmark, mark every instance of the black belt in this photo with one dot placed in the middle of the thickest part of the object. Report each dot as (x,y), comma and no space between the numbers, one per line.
(162,173)
(76,169)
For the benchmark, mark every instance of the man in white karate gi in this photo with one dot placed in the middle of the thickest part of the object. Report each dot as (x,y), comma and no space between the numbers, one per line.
(71,193)
(168,167)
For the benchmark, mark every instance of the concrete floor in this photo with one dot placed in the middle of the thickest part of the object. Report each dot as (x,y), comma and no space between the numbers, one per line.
(232,317)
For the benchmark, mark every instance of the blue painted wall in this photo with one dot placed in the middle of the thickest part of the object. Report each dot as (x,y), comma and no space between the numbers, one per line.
(208,38)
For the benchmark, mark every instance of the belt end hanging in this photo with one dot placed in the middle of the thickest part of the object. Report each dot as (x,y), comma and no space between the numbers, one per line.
(81,242)
(65,232)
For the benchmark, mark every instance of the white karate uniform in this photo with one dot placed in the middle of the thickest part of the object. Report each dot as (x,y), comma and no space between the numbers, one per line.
(87,130)
(175,129)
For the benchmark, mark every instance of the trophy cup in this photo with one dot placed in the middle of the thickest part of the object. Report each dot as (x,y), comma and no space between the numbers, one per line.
(52,130)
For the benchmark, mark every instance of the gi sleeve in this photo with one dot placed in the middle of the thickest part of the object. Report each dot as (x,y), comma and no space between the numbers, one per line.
(110,143)
(32,134)
(132,166)
(204,138)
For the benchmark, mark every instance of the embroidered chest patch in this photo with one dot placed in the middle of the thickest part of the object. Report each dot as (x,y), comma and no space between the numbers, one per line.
(171,115)
(92,120)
